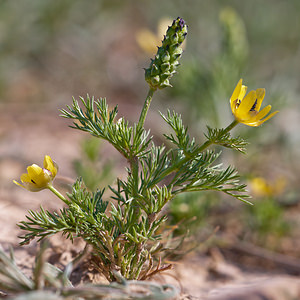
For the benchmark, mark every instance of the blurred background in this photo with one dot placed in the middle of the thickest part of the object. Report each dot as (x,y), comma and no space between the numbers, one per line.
(53,50)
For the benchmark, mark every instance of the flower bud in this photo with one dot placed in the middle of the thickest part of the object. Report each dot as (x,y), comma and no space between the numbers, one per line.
(164,65)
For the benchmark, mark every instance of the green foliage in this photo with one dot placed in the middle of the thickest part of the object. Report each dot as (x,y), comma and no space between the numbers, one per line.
(85,212)
(222,138)
(181,138)
(125,230)
(195,170)
(122,238)
(100,122)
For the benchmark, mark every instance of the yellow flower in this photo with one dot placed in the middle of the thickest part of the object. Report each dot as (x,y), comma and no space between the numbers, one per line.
(246,109)
(263,188)
(36,178)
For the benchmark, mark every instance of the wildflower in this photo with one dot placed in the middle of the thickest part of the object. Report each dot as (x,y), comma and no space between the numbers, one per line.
(264,188)
(246,108)
(36,178)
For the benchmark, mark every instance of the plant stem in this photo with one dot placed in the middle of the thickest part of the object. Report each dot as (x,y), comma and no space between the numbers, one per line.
(190,156)
(57,193)
(231,126)
(134,163)
(145,108)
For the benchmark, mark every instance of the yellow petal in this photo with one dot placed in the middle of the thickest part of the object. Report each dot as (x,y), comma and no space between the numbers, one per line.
(252,124)
(50,165)
(38,176)
(259,122)
(262,113)
(237,96)
(234,103)
(34,171)
(260,94)
(32,187)
(247,103)
(237,89)
(243,92)
(28,185)
(25,178)
(17,183)
(269,117)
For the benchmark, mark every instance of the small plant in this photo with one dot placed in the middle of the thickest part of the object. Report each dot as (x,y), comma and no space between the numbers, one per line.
(125,232)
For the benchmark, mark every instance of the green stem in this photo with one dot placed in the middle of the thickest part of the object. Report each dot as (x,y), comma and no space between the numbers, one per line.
(145,108)
(231,126)
(57,193)
(134,166)
(191,156)
(134,163)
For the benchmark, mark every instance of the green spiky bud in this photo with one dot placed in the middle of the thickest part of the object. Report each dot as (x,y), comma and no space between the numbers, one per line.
(165,62)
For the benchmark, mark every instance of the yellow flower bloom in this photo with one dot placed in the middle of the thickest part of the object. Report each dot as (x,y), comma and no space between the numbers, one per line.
(36,178)
(246,109)
(263,188)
